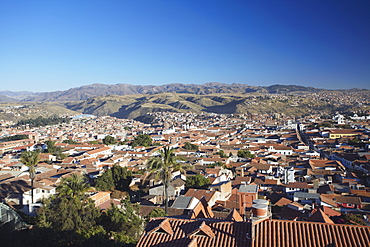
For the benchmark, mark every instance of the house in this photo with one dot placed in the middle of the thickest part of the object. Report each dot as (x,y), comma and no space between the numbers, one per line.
(339,133)
(223,187)
(179,185)
(348,201)
(306,198)
(19,192)
(328,165)
(281,149)
(185,202)
(99,197)
(99,151)
(158,191)
(210,196)
(291,188)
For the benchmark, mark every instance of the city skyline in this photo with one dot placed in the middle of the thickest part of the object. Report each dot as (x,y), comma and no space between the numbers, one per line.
(52,46)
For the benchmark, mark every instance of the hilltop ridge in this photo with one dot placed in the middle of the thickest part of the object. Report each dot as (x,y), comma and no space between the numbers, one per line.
(98,89)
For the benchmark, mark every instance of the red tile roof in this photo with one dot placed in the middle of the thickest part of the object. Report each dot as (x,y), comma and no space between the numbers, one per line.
(283,202)
(319,216)
(273,233)
(207,233)
(198,193)
(234,216)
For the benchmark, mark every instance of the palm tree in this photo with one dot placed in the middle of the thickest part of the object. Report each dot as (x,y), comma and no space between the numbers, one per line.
(31,159)
(74,186)
(163,166)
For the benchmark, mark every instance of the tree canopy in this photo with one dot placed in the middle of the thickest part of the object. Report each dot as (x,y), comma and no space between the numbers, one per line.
(74,186)
(116,178)
(197,182)
(72,218)
(222,153)
(142,140)
(69,141)
(163,166)
(55,150)
(31,159)
(42,121)
(190,146)
(157,212)
(123,220)
(109,140)
(245,154)
(14,138)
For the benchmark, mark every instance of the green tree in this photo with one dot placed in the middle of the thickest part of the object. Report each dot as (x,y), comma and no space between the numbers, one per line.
(245,154)
(116,178)
(15,137)
(163,166)
(73,186)
(198,181)
(190,146)
(69,141)
(41,121)
(123,222)
(67,213)
(31,159)
(70,209)
(109,140)
(55,150)
(222,153)
(157,212)
(142,140)
(50,146)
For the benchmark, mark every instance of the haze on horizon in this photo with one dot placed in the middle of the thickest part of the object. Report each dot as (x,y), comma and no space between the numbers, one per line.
(57,45)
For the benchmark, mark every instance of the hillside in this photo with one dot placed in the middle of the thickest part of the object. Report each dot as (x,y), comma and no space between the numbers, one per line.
(93,90)
(133,106)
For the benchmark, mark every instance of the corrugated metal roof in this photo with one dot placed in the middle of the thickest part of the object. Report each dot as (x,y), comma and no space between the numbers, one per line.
(182,202)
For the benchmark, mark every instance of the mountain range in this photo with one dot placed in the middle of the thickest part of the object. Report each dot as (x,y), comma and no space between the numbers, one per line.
(131,101)
(97,89)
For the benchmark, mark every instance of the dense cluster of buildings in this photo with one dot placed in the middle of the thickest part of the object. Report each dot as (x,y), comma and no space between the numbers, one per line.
(274,180)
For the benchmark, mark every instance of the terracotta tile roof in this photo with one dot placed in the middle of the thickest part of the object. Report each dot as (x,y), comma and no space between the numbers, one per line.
(202,210)
(319,216)
(330,212)
(198,193)
(346,131)
(238,180)
(348,199)
(301,185)
(289,213)
(161,226)
(271,233)
(234,216)
(199,233)
(203,229)
(283,202)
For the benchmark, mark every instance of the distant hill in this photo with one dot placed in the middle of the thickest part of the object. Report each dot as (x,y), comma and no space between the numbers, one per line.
(15,96)
(4,98)
(133,106)
(93,90)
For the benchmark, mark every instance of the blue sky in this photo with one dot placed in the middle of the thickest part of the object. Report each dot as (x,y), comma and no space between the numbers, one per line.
(60,44)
